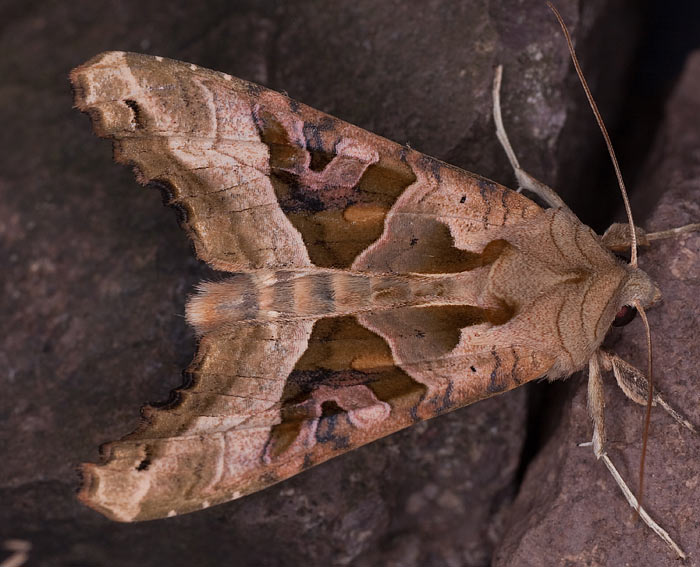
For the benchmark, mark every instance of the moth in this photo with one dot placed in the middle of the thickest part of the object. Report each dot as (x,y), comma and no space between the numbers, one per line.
(367,287)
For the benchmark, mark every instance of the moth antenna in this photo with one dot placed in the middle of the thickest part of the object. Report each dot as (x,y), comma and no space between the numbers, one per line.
(650,398)
(603,129)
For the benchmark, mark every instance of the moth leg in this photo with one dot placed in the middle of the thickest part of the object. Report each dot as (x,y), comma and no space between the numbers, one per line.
(596,406)
(634,384)
(596,409)
(525,180)
(617,237)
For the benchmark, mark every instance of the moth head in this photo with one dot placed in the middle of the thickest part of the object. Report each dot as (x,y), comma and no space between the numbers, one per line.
(639,289)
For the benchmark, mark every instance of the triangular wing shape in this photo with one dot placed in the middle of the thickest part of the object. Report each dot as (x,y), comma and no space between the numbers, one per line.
(315,214)
(263,181)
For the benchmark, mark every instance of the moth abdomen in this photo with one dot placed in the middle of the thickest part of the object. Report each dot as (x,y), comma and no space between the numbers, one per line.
(311,294)
(214,303)
(285,295)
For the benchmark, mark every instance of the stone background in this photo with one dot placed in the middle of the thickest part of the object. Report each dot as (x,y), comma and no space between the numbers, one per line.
(95,273)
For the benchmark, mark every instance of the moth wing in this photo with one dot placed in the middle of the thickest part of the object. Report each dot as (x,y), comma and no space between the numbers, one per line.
(443,349)
(269,401)
(191,132)
(185,453)
(265,182)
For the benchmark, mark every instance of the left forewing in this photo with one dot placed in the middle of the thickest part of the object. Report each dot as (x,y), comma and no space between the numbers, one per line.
(264,182)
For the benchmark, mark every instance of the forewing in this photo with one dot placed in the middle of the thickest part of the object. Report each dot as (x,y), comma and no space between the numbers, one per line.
(185,453)
(268,401)
(266,182)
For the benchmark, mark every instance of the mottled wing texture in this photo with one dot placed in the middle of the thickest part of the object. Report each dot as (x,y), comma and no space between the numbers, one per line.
(265,182)
(371,286)
(205,445)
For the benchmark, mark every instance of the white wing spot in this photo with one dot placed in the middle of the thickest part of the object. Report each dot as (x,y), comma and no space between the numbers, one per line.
(172,513)
(193,66)
(205,504)
(159,58)
(228,77)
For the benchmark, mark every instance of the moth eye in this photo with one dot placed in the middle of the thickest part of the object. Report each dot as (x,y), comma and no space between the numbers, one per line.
(624,316)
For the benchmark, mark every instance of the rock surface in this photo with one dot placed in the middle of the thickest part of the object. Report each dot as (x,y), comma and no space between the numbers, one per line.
(95,270)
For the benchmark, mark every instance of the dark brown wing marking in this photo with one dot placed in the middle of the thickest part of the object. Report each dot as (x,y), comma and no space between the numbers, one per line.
(336,189)
(442,220)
